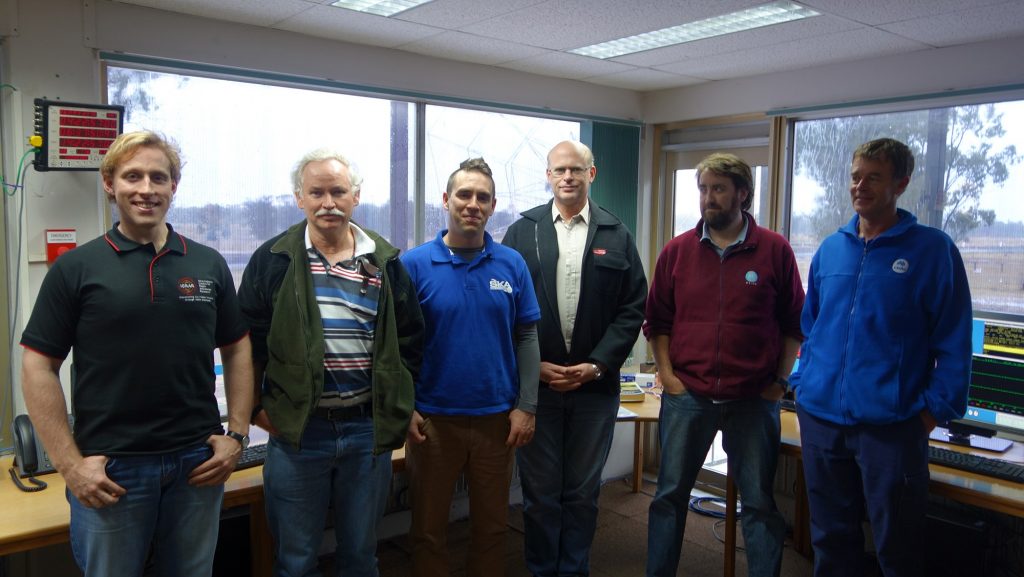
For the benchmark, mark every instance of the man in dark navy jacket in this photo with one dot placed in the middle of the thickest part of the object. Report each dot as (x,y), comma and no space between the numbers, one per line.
(591,288)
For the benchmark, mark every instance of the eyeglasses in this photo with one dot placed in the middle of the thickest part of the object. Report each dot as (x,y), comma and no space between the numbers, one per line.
(576,171)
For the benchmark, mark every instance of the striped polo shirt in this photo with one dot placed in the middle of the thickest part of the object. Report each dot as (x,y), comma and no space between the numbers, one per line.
(347,293)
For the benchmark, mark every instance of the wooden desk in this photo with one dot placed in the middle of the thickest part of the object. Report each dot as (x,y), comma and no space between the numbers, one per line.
(32,520)
(646,412)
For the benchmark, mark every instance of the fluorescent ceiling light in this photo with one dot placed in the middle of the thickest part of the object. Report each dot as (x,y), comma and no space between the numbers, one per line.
(756,17)
(379,7)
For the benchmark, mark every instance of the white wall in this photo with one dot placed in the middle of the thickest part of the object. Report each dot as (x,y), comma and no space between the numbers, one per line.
(972,66)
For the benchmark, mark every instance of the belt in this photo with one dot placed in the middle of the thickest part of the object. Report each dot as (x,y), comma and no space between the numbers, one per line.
(344,413)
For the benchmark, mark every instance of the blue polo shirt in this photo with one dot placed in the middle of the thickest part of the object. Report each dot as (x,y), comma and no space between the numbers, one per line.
(471,311)
(143,326)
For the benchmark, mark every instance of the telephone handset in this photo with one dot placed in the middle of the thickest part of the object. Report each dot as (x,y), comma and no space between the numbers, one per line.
(30,457)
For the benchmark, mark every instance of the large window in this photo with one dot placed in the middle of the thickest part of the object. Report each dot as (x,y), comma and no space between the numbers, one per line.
(240,141)
(515,147)
(967,181)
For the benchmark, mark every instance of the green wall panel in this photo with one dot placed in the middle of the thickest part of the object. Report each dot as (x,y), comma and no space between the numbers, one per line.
(617,156)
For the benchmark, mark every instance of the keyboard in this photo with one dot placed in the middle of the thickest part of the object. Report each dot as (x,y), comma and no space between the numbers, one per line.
(976,464)
(252,456)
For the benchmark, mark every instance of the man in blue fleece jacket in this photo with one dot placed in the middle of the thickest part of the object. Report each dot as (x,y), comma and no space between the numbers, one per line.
(888,353)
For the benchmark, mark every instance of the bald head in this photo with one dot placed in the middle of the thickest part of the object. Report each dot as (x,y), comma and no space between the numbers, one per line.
(570,171)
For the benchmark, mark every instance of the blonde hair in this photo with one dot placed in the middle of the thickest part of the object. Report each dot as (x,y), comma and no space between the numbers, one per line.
(127,144)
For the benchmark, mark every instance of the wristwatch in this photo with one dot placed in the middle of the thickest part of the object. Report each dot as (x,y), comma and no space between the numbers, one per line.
(242,439)
(784,382)
(598,373)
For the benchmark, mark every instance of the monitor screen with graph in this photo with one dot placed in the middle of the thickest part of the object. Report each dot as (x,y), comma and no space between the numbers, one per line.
(996,395)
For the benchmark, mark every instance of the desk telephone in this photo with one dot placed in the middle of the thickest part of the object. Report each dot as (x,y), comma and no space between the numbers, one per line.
(30,457)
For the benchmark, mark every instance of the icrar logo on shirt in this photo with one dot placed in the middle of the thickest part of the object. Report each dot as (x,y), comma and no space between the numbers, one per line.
(501,285)
(192,290)
(186,286)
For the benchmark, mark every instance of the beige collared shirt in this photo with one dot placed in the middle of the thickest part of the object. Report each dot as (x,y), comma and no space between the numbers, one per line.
(572,242)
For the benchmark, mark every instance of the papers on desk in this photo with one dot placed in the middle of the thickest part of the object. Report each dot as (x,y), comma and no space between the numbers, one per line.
(625,414)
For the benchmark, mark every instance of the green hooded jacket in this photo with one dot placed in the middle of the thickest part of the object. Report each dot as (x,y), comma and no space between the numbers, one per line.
(277,298)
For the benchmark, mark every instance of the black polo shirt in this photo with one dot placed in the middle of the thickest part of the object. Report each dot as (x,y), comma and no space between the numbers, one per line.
(143,327)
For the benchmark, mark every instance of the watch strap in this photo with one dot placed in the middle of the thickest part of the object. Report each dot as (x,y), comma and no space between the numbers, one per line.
(242,439)
(784,382)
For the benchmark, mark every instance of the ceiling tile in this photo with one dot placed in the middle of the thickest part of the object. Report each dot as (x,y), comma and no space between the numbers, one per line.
(973,25)
(875,12)
(470,48)
(357,27)
(454,14)
(757,38)
(255,12)
(562,24)
(845,46)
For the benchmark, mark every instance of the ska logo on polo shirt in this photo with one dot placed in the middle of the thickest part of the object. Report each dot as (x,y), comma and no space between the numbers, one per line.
(501,285)
(195,290)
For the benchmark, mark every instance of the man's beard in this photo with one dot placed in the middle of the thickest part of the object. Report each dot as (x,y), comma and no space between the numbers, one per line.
(718,219)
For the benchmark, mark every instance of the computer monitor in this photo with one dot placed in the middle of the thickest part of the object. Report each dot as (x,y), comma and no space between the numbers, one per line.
(996,395)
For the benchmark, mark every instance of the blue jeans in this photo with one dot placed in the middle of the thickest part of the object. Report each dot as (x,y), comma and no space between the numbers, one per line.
(750,430)
(334,466)
(561,477)
(884,467)
(158,508)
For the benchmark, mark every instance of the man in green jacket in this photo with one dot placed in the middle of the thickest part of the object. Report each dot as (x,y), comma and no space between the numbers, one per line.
(337,341)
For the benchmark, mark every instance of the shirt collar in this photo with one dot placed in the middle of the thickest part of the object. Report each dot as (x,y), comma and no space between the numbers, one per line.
(364,244)
(120,243)
(584,213)
(706,235)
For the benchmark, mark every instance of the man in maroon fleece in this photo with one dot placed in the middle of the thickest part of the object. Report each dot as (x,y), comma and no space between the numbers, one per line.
(723,319)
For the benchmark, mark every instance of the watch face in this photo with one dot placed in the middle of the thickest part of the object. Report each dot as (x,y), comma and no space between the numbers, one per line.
(242,439)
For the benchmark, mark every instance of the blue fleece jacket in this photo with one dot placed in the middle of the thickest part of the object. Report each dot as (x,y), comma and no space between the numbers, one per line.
(887,325)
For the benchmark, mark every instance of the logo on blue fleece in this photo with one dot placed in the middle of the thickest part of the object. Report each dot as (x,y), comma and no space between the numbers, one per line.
(900,266)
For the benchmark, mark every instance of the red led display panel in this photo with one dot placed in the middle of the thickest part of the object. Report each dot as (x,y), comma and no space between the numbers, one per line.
(75,136)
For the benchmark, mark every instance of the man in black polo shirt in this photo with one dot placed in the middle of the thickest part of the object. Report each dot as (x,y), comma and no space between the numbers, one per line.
(143,308)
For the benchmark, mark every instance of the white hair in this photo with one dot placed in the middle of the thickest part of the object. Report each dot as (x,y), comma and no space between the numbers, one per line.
(320,155)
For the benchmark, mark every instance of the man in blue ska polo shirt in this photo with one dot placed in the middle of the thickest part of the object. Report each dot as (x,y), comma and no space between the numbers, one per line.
(144,308)
(477,393)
